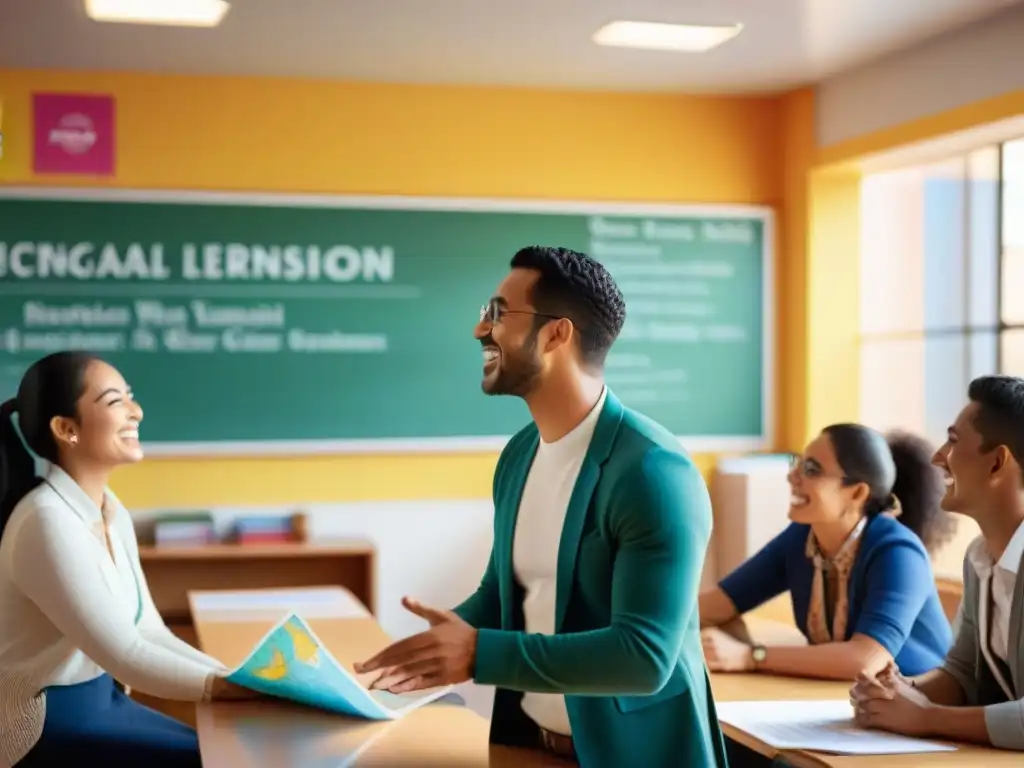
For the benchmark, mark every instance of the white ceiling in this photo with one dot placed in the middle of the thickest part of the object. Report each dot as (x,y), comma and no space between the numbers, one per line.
(544,43)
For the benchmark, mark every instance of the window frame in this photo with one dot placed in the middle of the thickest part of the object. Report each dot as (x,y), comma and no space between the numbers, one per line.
(967,328)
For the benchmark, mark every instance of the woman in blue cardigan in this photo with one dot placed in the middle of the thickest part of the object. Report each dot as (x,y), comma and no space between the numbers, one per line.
(855,561)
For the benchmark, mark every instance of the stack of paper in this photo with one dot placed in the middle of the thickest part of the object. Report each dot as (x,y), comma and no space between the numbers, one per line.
(313,603)
(819,726)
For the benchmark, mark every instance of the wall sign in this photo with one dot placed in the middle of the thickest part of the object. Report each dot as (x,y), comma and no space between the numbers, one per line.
(74,134)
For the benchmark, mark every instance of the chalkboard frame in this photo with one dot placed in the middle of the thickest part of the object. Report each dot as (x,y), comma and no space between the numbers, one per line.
(468,444)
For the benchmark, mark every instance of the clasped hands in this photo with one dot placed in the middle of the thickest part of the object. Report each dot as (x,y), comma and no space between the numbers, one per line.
(888,702)
(444,654)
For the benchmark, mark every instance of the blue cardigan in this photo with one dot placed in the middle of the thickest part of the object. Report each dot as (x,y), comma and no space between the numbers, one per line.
(893,597)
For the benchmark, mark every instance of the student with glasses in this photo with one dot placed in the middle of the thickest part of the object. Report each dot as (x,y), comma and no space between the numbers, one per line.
(865,512)
(585,619)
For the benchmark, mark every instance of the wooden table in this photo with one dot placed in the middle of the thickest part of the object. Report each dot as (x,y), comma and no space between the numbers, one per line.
(274,734)
(173,572)
(742,687)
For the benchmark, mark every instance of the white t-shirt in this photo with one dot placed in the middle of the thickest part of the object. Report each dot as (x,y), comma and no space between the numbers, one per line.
(69,612)
(542,510)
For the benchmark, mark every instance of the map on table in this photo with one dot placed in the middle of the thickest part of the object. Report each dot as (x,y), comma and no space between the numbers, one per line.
(291,662)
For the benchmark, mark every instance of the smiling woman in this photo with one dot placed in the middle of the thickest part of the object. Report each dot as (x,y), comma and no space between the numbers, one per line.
(77,613)
(864,511)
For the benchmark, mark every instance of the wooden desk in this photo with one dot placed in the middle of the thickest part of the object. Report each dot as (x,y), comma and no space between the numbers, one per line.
(732,687)
(273,734)
(173,572)
(964,757)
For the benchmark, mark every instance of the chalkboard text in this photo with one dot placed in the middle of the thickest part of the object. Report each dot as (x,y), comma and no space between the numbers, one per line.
(212,262)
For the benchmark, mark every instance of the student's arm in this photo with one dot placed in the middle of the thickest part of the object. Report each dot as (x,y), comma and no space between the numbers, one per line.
(151,624)
(954,684)
(949,684)
(153,629)
(940,688)
(716,608)
(899,581)
(660,517)
(753,583)
(55,565)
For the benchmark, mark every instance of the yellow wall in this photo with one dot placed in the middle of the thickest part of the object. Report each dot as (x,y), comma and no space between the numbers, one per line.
(320,137)
(797,153)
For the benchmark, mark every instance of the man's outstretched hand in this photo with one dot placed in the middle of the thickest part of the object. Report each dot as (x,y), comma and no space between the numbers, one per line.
(442,655)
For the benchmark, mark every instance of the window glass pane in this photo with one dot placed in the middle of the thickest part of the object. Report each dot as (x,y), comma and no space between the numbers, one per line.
(1011,351)
(918,384)
(1013,194)
(947,374)
(892,251)
(892,383)
(982,354)
(945,240)
(983,237)
(1011,306)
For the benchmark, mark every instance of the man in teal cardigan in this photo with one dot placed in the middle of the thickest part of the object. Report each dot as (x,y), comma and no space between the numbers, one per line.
(586,617)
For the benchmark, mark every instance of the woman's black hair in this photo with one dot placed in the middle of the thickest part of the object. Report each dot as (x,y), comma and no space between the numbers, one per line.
(50,388)
(898,470)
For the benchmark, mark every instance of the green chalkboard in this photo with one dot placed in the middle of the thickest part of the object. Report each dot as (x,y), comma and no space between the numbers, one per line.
(281,324)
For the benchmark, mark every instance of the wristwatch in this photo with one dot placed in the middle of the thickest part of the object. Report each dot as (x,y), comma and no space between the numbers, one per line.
(758,653)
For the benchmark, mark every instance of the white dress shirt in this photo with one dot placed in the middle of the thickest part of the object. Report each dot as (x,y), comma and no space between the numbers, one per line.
(542,510)
(71,610)
(998,580)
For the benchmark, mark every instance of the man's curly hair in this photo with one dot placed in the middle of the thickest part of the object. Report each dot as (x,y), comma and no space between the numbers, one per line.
(577,287)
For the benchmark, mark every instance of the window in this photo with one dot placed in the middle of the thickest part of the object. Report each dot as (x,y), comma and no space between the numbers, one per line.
(942,285)
(942,292)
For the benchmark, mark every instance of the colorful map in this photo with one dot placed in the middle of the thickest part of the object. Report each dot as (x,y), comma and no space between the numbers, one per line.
(292,663)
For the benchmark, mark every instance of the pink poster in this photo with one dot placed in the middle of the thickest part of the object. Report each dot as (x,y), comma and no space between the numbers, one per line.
(74,133)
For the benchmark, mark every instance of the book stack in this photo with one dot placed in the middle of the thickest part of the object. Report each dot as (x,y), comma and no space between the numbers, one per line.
(264,529)
(184,529)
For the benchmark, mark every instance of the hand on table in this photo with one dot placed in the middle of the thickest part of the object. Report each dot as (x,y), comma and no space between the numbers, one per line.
(724,653)
(888,702)
(442,655)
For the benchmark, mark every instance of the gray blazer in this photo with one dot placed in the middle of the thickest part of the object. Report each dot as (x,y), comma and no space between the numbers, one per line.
(1004,717)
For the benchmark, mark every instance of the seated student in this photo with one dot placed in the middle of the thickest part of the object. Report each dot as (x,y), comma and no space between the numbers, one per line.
(977,695)
(75,610)
(852,560)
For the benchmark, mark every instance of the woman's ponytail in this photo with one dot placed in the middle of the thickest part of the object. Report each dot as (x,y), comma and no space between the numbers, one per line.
(17,466)
(918,490)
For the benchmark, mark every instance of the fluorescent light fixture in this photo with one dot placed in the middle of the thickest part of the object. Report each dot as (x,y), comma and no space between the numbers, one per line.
(665,37)
(176,13)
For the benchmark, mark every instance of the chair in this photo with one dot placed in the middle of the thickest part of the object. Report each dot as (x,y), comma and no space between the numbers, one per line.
(951,592)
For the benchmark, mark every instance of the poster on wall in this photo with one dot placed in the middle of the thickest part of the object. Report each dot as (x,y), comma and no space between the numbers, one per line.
(73,134)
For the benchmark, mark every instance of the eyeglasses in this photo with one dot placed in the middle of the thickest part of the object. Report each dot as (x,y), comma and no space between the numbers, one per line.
(494,310)
(810,468)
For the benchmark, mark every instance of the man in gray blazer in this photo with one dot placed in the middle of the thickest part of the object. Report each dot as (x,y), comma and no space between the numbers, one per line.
(977,695)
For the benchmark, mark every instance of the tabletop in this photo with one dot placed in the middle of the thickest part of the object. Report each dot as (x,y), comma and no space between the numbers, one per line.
(273,734)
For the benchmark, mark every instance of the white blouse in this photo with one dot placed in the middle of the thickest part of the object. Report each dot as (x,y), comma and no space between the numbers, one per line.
(69,612)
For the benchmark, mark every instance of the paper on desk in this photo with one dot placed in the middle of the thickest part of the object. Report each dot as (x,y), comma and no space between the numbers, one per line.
(291,662)
(821,726)
(310,603)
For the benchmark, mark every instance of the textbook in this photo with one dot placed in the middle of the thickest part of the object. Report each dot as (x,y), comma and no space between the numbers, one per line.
(291,663)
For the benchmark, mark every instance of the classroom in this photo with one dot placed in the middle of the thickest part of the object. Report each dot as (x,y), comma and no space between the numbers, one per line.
(276,237)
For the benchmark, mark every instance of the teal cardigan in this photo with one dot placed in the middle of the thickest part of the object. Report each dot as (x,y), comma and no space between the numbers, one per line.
(626,650)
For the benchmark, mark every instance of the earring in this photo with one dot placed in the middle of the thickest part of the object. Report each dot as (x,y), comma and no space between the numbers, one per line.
(73,439)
